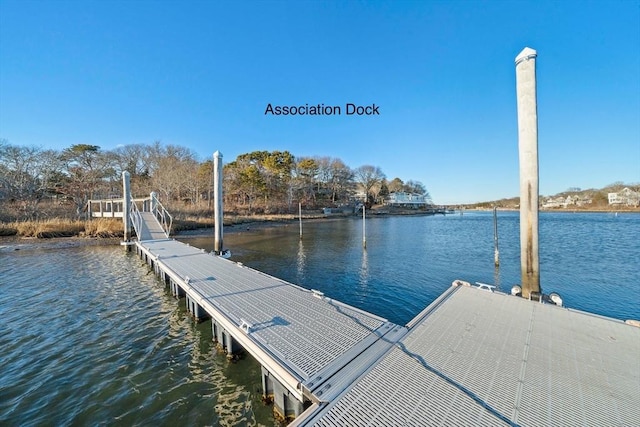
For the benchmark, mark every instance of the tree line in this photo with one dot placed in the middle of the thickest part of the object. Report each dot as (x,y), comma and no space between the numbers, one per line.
(34,180)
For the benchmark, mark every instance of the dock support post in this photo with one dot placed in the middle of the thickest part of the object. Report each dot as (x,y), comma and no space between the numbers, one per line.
(285,405)
(528,154)
(267,385)
(217,202)
(176,290)
(195,309)
(126,204)
(496,251)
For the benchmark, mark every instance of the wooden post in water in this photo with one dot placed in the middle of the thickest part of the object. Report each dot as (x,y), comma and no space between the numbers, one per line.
(126,207)
(528,153)
(217,202)
(496,252)
(364,227)
(300,216)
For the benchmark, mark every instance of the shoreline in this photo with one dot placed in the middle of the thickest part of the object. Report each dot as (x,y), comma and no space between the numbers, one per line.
(17,243)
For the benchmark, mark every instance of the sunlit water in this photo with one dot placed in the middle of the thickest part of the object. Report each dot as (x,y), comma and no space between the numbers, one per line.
(88,336)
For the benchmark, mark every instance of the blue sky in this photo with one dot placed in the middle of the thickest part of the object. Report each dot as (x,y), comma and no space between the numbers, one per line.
(201,73)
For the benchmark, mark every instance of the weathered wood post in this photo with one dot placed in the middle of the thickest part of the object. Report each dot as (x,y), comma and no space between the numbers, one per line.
(528,153)
(126,208)
(217,202)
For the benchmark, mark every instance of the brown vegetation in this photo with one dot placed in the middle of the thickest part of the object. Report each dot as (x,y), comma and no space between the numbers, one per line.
(63,228)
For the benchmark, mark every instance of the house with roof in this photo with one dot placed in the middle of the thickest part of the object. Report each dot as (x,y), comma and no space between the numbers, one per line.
(626,197)
(402,199)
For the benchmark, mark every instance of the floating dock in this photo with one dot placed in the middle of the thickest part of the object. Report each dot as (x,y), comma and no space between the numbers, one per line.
(473,357)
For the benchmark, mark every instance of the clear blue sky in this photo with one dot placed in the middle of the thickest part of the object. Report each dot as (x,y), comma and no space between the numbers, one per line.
(201,73)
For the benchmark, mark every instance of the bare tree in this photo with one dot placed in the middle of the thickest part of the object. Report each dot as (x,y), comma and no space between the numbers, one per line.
(306,173)
(396,185)
(25,176)
(368,176)
(341,180)
(85,175)
(173,170)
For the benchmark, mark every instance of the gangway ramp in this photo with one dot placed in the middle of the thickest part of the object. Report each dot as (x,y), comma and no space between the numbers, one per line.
(149,228)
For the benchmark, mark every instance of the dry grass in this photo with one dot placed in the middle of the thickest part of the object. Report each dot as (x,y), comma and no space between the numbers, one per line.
(103,227)
(112,227)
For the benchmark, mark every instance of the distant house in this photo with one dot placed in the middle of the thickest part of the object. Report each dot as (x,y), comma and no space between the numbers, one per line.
(564,202)
(402,199)
(625,197)
(360,196)
(553,202)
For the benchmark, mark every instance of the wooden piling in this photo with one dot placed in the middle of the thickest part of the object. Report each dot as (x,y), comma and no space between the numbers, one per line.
(126,205)
(217,201)
(528,154)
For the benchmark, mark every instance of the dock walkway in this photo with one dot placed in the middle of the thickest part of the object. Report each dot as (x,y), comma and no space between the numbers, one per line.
(305,341)
(473,357)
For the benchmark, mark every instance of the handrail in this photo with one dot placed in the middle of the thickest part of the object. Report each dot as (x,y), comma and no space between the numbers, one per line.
(135,217)
(149,204)
(162,215)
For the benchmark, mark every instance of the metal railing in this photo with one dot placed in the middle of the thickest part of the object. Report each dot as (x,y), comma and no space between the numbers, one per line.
(161,214)
(135,217)
(115,208)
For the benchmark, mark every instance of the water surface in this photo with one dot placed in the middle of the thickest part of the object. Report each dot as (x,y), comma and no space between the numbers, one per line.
(90,336)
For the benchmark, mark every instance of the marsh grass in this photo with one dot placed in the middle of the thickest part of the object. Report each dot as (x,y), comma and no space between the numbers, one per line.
(103,227)
(112,227)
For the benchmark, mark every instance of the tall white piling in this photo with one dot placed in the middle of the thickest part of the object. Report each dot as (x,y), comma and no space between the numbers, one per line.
(217,201)
(364,227)
(300,216)
(496,251)
(126,206)
(528,153)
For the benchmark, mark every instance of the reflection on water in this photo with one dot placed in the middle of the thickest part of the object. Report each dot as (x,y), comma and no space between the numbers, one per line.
(590,259)
(301,262)
(364,270)
(496,279)
(90,336)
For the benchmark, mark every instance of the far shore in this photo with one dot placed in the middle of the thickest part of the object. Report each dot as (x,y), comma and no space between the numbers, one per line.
(16,243)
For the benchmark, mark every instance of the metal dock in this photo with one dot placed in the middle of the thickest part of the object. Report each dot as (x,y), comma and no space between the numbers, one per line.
(309,345)
(475,357)
(300,337)
(472,357)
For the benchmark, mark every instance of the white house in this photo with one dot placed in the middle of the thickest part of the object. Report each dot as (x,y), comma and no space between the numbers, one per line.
(624,197)
(406,199)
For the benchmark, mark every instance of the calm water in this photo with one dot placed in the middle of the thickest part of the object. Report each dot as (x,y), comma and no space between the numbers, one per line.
(89,336)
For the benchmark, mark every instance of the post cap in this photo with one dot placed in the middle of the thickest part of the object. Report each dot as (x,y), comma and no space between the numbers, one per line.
(526,54)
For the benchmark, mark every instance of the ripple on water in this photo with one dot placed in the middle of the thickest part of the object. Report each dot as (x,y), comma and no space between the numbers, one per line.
(90,336)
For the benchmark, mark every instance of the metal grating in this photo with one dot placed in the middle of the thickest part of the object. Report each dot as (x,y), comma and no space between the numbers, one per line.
(306,332)
(482,358)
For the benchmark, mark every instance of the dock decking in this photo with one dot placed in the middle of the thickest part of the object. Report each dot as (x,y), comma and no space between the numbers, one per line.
(473,357)
(300,337)
(476,357)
